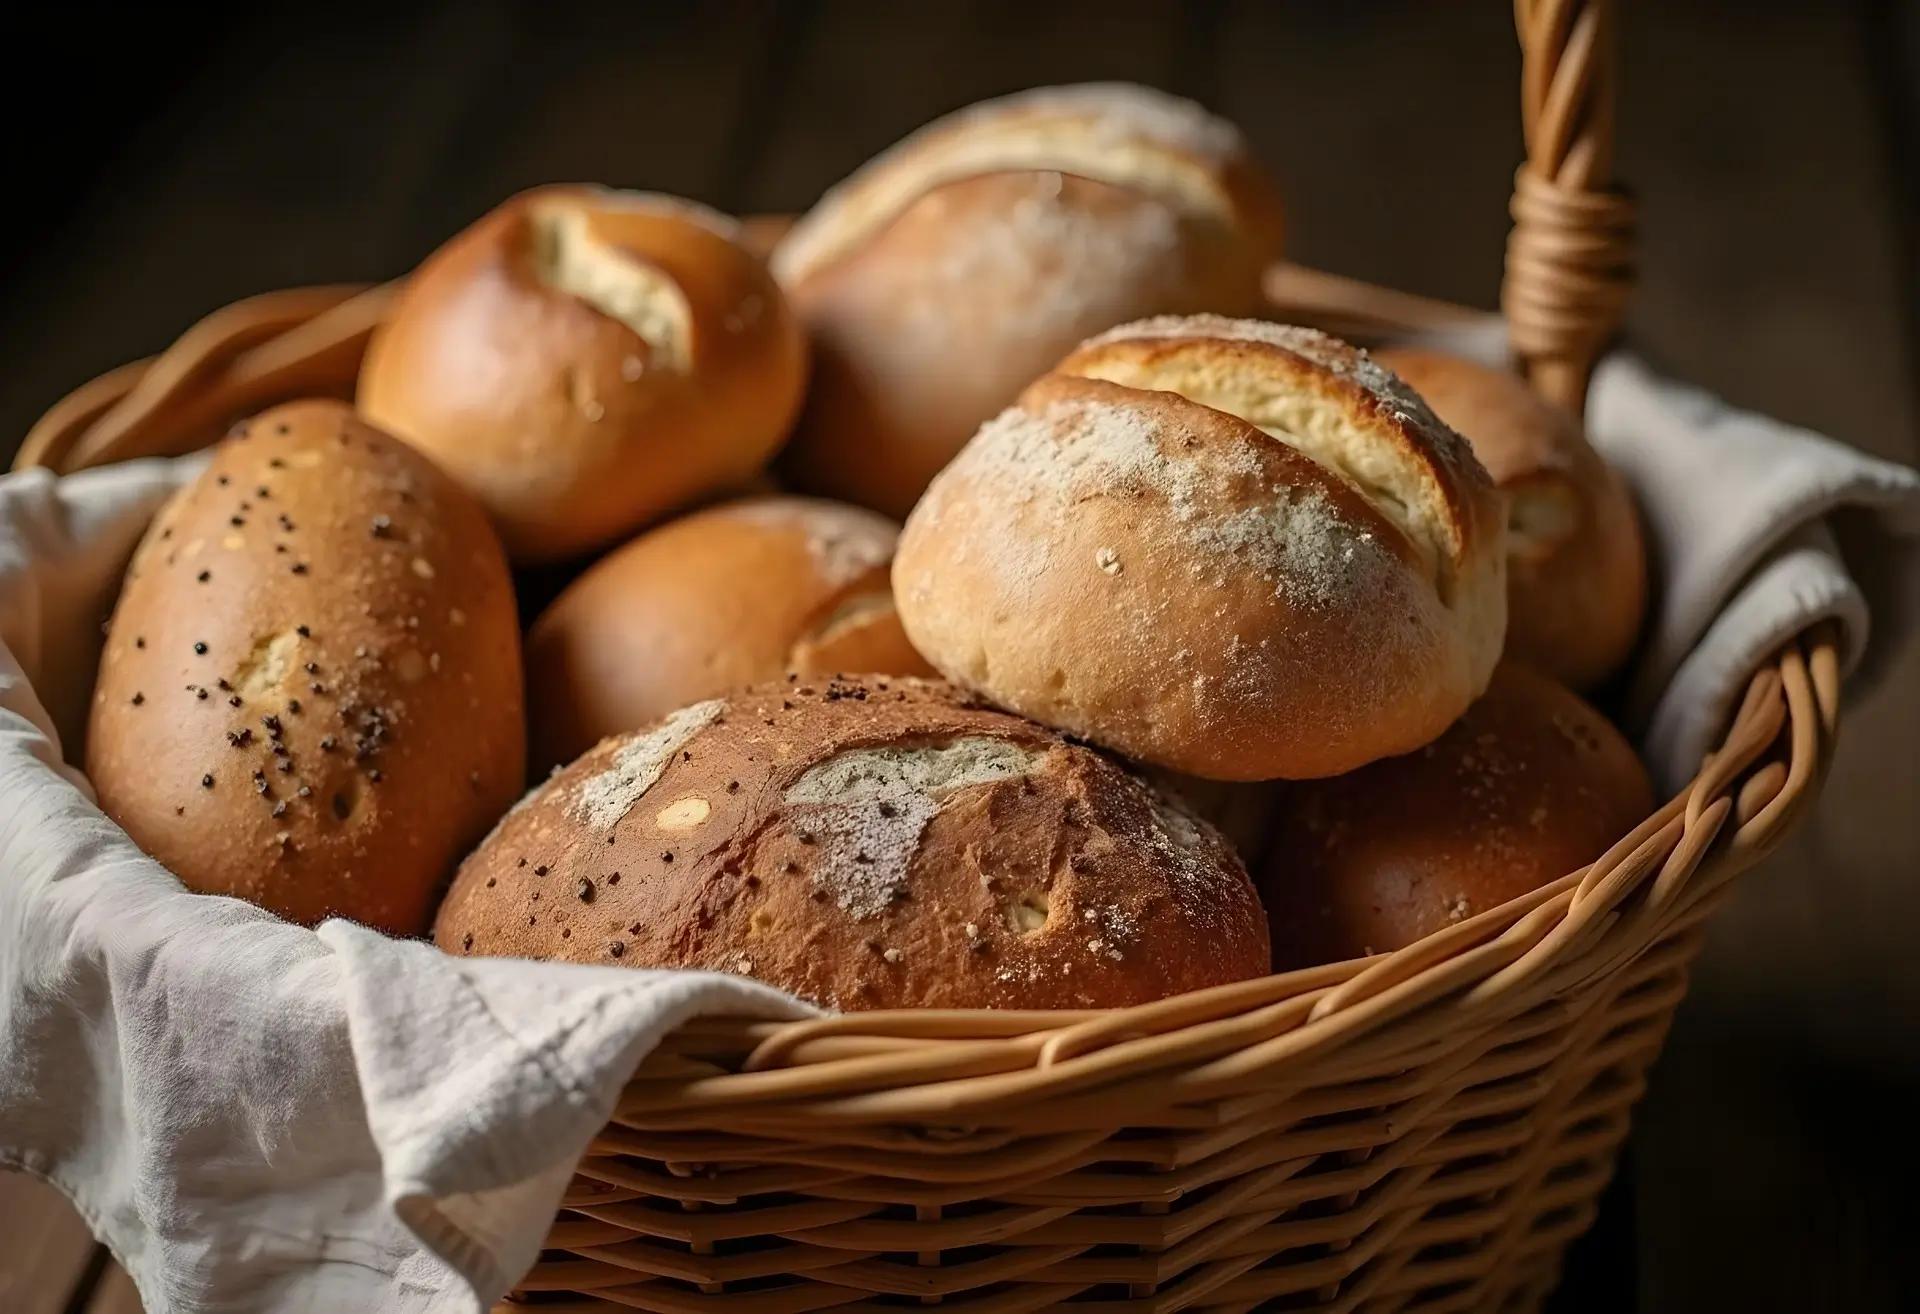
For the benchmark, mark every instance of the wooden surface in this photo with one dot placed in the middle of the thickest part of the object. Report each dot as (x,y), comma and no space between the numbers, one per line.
(1772,146)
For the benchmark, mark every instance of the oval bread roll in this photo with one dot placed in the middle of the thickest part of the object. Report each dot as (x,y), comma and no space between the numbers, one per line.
(1576,566)
(735,595)
(586,361)
(1530,785)
(1239,550)
(864,844)
(310,691)
(946,274)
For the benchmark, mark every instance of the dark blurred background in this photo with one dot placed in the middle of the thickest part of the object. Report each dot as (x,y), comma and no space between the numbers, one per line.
(168,160)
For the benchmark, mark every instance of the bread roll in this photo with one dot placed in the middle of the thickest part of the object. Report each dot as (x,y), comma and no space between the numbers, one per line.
(954,268)
(1576,566)
(1530,785)
(865,844)
(735,595)
(1235,549)
(586,361)
(310,692)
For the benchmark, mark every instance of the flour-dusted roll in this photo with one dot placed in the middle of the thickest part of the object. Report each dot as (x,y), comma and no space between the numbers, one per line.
(735,595)
(1576,566)
(1530,785)
(1241,810)
(950,271)
(310,693)
(586,361)
(865,844)
(1239,550)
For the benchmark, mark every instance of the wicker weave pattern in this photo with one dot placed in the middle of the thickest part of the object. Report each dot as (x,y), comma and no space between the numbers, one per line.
(1425,1129)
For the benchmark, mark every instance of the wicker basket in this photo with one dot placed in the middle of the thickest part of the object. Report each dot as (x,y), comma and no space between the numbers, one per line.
(1426,1129)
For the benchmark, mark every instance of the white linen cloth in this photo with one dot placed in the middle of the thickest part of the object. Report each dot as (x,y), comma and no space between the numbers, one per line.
(1755,530)
(253,1116)
(260,1117)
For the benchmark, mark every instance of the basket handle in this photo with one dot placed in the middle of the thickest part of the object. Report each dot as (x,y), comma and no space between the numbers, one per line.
(1570,256)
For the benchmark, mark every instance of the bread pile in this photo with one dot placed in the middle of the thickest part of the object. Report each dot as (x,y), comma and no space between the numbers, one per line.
(970,605)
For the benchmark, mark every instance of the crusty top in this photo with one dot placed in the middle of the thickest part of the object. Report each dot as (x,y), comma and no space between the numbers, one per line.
(866,844)
(586,360)
(1108,132)
(1325,398)
(310,694)
(1238,550)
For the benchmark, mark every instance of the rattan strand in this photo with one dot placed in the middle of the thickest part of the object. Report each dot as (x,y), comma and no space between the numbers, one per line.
(1570,254)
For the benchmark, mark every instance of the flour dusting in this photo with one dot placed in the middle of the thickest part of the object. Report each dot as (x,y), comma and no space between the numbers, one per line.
(1116,112)
(1075,269)
(843,542)
(1198,858)
(1071,128)
(865,809)
(1300,545)
(1072,449)
(602,800)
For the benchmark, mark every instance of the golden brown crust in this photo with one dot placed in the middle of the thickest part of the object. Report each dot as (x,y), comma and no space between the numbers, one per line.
(735,595)
(1248,365)
(310,692)
(865,844)
(1529,785)
(955,268)
(1166,579)
(1577,570)
(587,361)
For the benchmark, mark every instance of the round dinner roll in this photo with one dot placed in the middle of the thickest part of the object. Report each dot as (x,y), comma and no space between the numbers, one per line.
(865,844)
(735,595)
(586,361)
(954,268)
(1530,785)
(310,691)
(1576,566)
(1240,550)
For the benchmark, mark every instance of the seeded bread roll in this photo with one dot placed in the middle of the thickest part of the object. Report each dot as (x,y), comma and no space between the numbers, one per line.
(1576,566)
(586,361)
(1530,785)
(310,691)
(954,268)
(1236,549)
(864,844)
(735,595)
